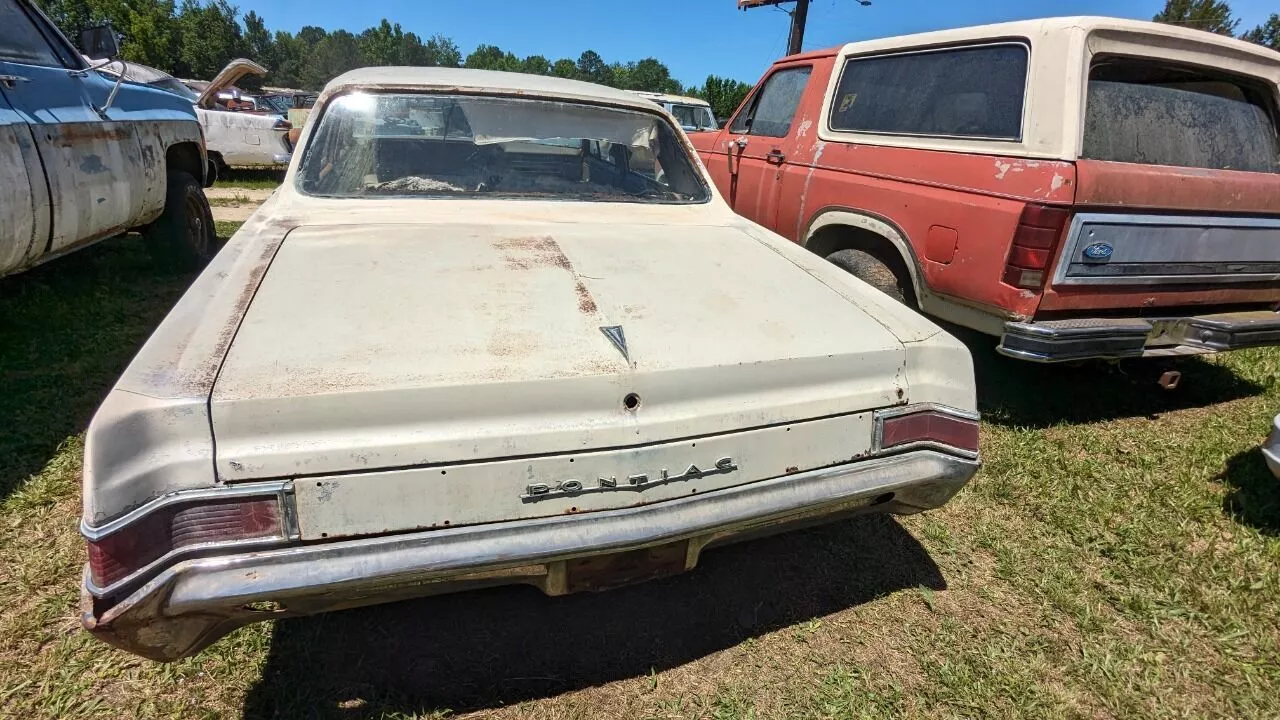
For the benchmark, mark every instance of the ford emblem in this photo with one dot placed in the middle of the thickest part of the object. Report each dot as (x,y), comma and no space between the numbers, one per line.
(1098,251)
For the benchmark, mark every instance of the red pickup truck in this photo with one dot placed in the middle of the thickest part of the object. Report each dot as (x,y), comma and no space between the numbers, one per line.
(1078,187)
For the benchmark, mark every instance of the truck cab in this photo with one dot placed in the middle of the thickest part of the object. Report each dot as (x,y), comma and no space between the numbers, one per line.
(84,158)
(1077,187)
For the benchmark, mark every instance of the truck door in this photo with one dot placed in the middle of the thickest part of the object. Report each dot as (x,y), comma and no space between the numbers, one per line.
(93,163)
(24,200)
(759,139)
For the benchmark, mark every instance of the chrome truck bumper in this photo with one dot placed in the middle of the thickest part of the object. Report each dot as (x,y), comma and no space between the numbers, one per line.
(1108,338)
(192,603)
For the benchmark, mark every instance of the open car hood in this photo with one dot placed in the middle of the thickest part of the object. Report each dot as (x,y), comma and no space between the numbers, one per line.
(234,72)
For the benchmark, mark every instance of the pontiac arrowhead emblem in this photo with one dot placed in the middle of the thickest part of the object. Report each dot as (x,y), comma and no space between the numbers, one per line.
(619,340)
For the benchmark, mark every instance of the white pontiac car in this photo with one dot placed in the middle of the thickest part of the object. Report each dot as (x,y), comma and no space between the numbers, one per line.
(465,344)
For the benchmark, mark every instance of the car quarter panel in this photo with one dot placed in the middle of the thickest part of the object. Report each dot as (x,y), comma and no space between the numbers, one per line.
(161,400)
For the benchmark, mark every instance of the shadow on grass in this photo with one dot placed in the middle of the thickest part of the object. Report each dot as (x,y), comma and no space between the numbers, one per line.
(67,330)
(489,648)
(1025,394)
(1254,498)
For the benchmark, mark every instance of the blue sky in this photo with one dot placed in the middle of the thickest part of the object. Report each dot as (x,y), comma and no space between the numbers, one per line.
(694,38)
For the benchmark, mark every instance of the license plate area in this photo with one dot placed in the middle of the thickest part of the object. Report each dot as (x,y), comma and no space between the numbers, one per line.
(605,572)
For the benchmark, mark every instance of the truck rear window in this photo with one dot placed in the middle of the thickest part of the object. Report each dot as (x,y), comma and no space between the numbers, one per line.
(1138,111)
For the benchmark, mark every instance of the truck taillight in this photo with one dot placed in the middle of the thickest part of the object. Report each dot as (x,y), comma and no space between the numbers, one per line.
(927,426)
(152,536)
(1034,241)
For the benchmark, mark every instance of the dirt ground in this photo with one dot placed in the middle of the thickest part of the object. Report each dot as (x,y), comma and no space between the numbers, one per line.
(235,204)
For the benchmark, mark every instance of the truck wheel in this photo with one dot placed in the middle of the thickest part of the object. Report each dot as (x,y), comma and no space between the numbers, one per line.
(874,272)
(183,235)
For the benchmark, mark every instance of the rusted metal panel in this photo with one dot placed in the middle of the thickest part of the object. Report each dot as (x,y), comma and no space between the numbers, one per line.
(96,179)
(24,197)
(1127,185)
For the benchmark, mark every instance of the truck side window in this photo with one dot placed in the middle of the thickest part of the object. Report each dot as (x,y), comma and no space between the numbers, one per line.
(771,111)
(970,92)
(21,40)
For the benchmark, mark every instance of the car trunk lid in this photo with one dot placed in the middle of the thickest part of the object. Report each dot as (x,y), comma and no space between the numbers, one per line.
(395,346)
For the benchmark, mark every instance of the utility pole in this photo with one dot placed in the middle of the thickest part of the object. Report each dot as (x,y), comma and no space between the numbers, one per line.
(799,15)
(798,18)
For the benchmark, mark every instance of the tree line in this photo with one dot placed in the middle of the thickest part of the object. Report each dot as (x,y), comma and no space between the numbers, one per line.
(196,39)
(1215,16)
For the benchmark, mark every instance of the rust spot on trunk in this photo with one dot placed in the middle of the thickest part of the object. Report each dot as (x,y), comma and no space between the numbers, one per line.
(586,303)
(527,253)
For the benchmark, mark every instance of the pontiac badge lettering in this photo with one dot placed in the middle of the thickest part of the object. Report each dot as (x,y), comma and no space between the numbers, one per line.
(534,492)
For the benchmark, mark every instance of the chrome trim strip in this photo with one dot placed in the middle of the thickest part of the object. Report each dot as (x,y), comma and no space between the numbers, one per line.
(879,416)
(283,489)
(178,555)
(1073,241)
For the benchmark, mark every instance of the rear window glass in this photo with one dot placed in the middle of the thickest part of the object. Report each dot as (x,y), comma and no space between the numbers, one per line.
(1143,112)
(973,92)
(461,146)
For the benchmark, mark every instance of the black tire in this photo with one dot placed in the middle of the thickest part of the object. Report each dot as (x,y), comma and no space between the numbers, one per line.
(220,169)
(874,272)
(183,236)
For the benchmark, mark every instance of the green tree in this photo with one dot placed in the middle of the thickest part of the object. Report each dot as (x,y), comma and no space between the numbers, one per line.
(150,33)
(536,65)
(337,53)
(592,68)
(442,51)
(492,57)
(382,45)
(724,95)
(651,75)
(1267,34)
(1210,15)
(564,68)
(287,60)
(208,38)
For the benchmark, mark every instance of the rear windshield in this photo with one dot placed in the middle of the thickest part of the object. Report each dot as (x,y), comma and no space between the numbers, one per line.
(468,146)
(1143,112)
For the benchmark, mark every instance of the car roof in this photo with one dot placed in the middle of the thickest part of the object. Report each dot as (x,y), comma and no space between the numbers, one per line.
(506,83)
(668,97)
(1054,25)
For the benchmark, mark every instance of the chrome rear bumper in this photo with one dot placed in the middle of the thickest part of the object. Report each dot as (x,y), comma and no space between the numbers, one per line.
(194,602)
(1109,338)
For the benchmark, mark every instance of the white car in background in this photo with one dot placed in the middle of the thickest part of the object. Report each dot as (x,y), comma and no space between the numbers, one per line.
(234,138)
(693,114)
(466,344)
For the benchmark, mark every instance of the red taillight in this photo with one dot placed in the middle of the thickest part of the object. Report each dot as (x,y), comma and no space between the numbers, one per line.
(153,536)
(933,426)
(1034,241)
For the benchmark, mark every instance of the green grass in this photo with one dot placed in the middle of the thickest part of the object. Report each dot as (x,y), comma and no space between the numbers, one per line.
(1118,556)
(251,178)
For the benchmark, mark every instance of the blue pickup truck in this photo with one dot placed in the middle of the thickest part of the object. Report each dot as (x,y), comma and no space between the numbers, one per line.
(84,158)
